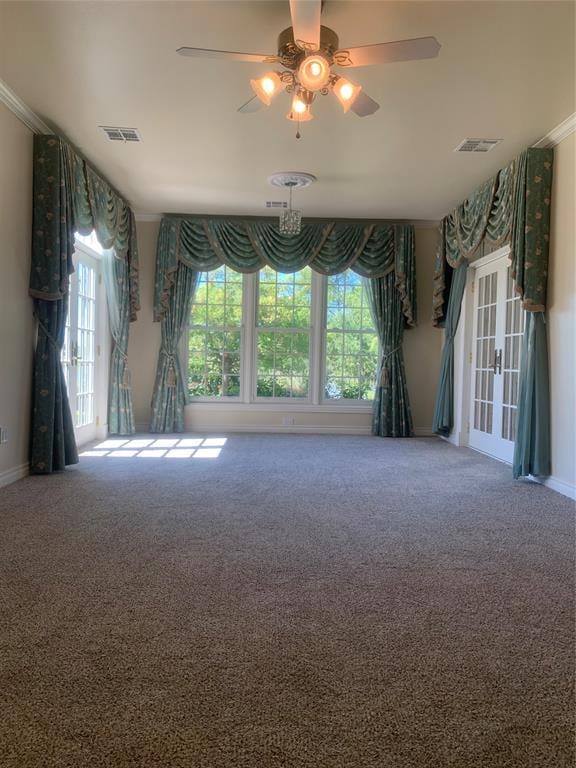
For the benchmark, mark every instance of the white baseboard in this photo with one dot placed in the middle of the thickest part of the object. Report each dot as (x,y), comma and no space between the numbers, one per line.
(566,489)
(143,428)
(16,473)
(308,429)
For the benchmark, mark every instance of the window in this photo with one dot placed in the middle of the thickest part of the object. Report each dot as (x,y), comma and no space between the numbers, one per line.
(214,342)
(270,336)
(351,341)
(283,333)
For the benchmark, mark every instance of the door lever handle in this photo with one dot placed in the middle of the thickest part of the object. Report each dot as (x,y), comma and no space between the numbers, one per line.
(498,361)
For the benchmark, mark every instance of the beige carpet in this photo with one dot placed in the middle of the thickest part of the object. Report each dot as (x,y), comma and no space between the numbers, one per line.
(297,602)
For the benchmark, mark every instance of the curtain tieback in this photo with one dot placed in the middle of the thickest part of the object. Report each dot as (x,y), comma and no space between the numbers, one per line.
(125,383)
(171,377)
(49,336)
(384,376)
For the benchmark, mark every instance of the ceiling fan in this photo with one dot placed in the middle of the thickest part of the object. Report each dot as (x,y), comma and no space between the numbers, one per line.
(307,52)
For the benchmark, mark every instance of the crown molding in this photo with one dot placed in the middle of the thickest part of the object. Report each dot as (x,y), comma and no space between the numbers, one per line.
(558,134)
(22,110)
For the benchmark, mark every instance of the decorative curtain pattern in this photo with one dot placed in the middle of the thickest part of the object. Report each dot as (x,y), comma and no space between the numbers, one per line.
(443,420)
(68,197)
(529,243)
(391,416)
(116,281)
(203,244)
(513,207)
(532,448)
(170,390)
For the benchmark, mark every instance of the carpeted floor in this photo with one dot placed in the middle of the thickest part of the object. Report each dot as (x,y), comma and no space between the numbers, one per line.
(294,602)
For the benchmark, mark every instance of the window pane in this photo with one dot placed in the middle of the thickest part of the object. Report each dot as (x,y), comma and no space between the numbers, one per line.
(351,341)
(215,335)
(283,333)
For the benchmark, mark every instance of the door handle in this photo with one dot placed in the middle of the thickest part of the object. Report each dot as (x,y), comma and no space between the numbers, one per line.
(497,364)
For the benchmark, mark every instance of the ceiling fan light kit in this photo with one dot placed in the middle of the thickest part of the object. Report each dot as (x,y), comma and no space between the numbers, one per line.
(307,51)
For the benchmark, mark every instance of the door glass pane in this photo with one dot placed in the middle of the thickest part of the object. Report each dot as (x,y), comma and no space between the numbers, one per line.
(485,348)
(86,346)
(511,359)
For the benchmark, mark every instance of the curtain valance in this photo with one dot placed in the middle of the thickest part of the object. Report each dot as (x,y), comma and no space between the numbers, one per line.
(203,244)
(513,207)
(93,205)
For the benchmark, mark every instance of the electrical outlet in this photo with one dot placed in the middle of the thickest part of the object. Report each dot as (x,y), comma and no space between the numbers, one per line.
(287,421)
(3,434)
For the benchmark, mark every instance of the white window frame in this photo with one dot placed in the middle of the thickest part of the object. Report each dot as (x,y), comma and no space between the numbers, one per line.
(247,399)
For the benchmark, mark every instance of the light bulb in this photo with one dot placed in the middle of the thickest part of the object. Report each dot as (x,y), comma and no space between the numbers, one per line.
(346,92)
(299,110)
(267,86)
(314,73)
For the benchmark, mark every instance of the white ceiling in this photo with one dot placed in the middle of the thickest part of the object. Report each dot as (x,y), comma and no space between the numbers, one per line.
(505,70)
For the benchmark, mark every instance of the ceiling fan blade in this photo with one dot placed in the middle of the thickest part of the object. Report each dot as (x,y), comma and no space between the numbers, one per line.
(306,23)
(363,105)
(210,53)
(252,105)
(385,53)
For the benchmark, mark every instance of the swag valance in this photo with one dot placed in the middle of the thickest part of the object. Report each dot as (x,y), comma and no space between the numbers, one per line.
(70,197)
(204,244)
(512,207)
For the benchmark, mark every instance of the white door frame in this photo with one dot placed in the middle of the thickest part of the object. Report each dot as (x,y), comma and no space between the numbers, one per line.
(103,350)
(463,352)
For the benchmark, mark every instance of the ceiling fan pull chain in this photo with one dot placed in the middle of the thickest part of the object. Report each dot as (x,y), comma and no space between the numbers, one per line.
(297,136)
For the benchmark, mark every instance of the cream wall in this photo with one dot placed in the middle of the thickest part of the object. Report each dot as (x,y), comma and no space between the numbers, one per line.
(562,315)
(16,321)
(421,349)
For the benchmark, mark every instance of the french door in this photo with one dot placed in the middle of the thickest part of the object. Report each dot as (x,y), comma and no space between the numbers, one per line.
(81,345)
(497,341)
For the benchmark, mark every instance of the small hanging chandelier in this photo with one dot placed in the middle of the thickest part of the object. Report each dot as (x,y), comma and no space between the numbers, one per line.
(290,222)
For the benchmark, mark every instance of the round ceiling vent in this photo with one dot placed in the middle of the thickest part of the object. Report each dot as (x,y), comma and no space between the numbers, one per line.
(291,179)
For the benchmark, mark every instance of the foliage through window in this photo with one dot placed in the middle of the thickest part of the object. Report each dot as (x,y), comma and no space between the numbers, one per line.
(275,350)
(283,333)
(215,335)
(351,341)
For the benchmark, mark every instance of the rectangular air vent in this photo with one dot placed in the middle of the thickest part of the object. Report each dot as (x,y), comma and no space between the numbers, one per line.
(276,204)
(477,145)
(121,134)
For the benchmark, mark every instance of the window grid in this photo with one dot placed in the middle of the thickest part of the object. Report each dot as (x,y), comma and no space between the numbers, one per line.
(284,304)
(485,348)
(511,358)
(351,341)
(86,345)
(215,335)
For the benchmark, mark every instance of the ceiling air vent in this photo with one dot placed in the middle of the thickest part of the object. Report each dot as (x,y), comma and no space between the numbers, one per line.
(477,145)
(276,204)
(121,134)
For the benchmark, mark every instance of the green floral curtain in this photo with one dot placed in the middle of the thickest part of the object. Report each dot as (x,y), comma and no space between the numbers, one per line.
(170,389)
(530,238)
(391,314)
(116,281)
(514,208)
(69,197)
(443,419)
